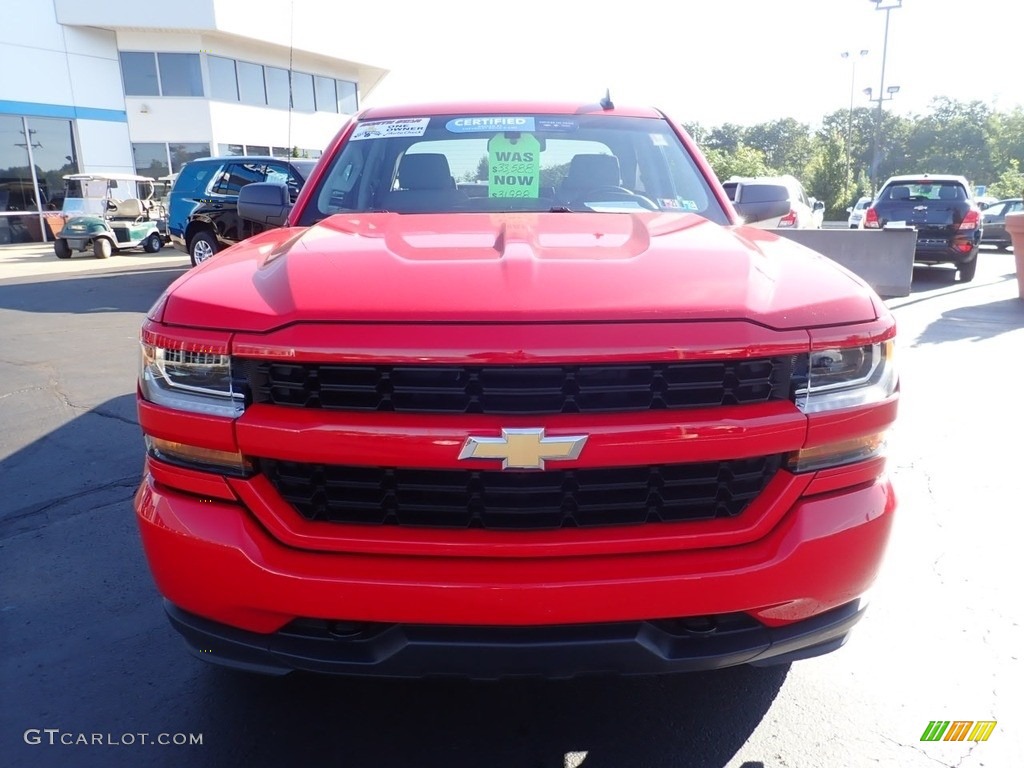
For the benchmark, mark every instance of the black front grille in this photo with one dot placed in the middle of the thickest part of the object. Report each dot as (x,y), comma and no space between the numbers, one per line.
(513,389)
(521,500)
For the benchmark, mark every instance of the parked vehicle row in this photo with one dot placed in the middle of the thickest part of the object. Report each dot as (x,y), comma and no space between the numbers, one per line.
(203,203)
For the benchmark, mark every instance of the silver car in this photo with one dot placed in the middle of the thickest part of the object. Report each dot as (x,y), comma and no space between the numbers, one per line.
(856,220)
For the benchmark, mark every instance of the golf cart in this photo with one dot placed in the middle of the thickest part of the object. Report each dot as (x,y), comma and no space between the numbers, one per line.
(107,213)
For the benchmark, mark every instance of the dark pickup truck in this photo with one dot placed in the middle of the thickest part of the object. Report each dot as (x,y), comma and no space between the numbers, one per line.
(940,208)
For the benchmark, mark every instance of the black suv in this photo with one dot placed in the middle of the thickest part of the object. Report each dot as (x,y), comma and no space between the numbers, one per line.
(941,209)
(202,208)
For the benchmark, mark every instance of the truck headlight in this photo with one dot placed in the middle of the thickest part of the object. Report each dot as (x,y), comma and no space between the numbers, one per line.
(192,380)
(843,377)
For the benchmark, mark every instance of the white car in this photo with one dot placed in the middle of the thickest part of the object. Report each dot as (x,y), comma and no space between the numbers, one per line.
(804,212)
(856,220)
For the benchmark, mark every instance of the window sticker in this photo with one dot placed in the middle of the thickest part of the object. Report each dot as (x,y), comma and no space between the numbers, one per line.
(514,165)
(557,124)
(385,129)
(658,140)
(678,204)
(490,123)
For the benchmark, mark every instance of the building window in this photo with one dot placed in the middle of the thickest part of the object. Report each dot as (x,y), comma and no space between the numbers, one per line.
(257,149)
(223,83)
(348,100)
(53,153)
(182,153)
(230,149)
(138,71)
(159,159)
(35,154)
(326,94)
(302,92)
(277,87)
(250,84)
(150,159)
(180,74)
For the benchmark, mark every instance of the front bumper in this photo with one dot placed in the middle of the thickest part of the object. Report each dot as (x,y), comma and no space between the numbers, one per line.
(486,653)
(214,559)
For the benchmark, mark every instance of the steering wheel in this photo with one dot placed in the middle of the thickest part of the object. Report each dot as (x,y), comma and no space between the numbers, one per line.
(617,193)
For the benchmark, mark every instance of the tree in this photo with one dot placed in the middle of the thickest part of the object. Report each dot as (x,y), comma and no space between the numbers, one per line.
(964,138)
(828,179)
(552,176)
(786,145)
(727,137)
(697,132)
(1010,182)
(482,172)
(743,161)
(953,139)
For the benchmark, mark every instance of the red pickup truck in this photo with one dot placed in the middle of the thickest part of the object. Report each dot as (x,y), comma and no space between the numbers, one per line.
(511,390)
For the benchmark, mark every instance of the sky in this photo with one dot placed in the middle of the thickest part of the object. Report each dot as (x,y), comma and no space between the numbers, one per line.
(710,62)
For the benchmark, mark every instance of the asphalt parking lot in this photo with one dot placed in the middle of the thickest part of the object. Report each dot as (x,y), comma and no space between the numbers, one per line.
(85,648)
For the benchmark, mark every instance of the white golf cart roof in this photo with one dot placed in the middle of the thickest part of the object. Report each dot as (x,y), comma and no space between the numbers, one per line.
(106,177)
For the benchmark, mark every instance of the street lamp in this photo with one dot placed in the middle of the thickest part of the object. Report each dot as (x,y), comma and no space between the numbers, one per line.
(891,91)
(887,6)
(849,122)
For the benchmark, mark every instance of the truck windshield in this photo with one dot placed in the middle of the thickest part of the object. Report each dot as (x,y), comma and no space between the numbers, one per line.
(536,163)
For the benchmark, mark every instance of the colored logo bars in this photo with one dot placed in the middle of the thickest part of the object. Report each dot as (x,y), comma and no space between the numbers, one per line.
(958,730)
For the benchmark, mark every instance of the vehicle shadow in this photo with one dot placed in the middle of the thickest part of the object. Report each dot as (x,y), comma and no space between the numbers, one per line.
(934,282)
(86,649)
(974,323)
(929,278)
(73,469)
(88,292)
(699,719)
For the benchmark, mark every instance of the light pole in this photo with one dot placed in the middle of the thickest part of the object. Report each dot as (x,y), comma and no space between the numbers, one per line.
(849,122)
(891,90)
(887,6)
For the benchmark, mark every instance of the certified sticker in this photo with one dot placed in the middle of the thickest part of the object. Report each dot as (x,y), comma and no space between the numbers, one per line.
(386,129)
(490,123)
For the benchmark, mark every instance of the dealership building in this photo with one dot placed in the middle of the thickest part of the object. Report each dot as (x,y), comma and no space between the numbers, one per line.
(128,87)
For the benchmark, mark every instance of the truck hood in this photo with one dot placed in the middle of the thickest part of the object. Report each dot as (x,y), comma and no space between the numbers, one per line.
(516,267)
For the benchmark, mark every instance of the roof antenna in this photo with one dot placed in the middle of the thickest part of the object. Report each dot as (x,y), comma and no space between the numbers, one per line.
(291,75)
(606,102)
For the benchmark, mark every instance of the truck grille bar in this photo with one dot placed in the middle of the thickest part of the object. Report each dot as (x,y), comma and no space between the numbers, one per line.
(527,500)
(519,389)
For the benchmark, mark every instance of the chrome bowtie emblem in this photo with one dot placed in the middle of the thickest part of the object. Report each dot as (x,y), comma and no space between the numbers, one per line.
(920,207)
(523,448)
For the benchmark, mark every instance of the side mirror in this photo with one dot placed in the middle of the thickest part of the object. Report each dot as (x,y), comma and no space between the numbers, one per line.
(264,202)
(819,205)
(849,210)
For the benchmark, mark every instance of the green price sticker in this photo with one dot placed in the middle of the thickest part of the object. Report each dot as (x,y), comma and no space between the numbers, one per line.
(514,166)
